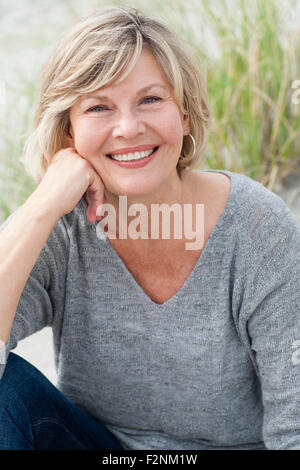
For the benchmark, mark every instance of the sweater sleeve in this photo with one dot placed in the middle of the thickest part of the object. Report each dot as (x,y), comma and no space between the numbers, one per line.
(43,295)
(269,322)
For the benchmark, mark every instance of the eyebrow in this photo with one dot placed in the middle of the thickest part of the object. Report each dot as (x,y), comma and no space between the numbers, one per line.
(142,90)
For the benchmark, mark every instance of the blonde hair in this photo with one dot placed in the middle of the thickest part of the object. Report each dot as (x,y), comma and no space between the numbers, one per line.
(94,54)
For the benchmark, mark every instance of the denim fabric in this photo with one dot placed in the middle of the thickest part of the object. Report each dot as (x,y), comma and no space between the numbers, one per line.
(35,415)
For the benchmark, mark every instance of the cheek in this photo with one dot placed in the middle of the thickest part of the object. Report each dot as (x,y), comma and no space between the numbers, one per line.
(88,137)
(171,127)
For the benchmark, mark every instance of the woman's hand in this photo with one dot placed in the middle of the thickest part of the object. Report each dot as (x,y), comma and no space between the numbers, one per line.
(67,178)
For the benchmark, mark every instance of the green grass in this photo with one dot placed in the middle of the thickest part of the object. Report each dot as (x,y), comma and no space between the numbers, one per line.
(250,94)
(256,127)
(15,184)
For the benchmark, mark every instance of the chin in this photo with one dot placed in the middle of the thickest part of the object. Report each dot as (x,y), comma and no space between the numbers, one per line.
(133,188)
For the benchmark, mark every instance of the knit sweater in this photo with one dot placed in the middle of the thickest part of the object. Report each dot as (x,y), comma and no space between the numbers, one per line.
(214,367)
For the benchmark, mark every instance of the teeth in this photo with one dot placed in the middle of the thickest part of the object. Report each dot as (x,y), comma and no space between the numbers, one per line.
(132,156)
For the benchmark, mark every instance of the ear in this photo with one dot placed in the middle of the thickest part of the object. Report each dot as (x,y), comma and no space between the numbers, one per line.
(186,125)
(69,140)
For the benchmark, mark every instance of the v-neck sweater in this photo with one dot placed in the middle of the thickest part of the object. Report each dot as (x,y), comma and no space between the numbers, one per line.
(213,367)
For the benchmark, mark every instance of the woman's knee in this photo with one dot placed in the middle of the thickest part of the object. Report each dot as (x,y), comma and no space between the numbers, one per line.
(16,387)
(20,379)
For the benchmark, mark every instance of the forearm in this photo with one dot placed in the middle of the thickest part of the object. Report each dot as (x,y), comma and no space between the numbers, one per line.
(21,243)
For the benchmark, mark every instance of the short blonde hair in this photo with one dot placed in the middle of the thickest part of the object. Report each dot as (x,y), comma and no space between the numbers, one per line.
(94,54)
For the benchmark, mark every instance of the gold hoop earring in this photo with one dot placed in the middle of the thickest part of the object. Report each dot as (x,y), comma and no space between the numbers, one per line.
(194,144)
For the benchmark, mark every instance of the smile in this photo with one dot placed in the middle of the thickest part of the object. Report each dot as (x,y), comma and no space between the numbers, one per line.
(132,156)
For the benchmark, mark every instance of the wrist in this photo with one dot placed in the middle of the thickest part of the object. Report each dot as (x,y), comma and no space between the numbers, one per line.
(41,210)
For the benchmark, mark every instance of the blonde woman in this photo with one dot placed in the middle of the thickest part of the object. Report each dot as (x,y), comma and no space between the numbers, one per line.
(159,343)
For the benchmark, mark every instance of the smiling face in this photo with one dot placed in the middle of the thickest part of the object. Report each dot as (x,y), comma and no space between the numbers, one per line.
(123,116)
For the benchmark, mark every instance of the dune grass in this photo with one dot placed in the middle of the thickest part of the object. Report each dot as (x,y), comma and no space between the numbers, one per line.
(257,126)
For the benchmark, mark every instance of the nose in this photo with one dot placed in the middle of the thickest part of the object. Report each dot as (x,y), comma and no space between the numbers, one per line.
(128,125)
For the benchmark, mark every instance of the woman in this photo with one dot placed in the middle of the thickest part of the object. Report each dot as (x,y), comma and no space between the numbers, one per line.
(156,346)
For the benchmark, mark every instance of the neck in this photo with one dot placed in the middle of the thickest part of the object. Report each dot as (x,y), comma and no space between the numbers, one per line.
(171,191)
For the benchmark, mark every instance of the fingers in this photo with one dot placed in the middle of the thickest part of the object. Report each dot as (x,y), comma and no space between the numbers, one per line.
(95,197)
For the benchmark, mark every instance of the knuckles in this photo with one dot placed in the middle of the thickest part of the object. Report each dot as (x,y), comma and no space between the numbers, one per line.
(68,157)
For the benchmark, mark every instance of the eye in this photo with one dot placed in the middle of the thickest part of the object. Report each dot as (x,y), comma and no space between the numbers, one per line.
(147,100)
(155,98)
(97,108)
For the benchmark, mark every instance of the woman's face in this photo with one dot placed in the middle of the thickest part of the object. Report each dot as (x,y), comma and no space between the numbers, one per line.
(121,117)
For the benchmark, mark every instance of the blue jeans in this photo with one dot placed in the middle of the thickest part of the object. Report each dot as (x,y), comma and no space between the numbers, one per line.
(35,415)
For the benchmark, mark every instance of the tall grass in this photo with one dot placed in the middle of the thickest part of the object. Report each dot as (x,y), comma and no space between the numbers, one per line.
(15,184)
(256,127)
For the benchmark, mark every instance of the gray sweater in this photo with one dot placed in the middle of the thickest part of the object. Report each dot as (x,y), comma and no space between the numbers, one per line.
(214,367)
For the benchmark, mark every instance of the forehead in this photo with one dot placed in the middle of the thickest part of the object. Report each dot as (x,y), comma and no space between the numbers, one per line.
(145,75)
(146,65)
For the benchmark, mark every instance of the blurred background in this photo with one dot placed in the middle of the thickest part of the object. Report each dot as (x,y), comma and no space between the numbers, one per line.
(251,55)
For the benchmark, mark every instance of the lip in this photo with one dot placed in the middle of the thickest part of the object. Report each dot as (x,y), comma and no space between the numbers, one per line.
(139,148)
(135,163)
